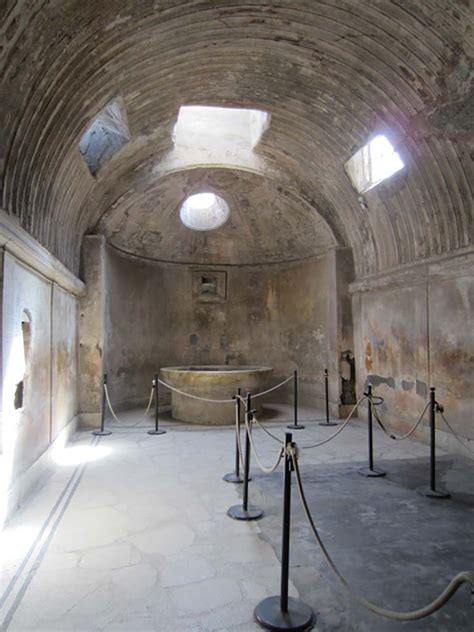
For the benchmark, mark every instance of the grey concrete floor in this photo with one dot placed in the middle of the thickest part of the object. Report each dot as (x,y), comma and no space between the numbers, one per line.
(131,534)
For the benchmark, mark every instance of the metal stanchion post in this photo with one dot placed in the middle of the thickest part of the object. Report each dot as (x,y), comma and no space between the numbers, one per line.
(328,422)
(102,432)
(234,477)
(244,512)
(431,491)
(282,612)
(295,425)
(370,472)
(156,430)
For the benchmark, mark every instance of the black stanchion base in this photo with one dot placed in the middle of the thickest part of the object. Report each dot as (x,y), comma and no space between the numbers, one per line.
(237,512)
(328,423)
(427,492)
(101,433)
(299,617)
(366,471)
(233,478)
(296,427)
(156,432)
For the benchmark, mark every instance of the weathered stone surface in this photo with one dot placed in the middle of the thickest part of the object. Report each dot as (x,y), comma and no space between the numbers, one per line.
(330,75)
(92,328)
(413,338)
(285,316)
(44,363)
(213,383)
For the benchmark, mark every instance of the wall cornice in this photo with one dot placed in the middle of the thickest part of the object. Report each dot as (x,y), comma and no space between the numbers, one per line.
(18,243)
(442,268)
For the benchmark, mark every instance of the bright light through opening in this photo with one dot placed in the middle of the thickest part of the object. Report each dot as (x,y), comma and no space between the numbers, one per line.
(207,128)
(204,211)
(79,454)
(374,163)
(202,201)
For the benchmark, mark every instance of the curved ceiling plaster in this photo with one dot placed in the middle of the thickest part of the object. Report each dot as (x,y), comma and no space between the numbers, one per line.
(331,74)
(264,224)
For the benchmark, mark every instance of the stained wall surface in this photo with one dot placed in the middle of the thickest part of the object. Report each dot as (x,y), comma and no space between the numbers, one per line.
(284,316)
(417,336)
(49,374)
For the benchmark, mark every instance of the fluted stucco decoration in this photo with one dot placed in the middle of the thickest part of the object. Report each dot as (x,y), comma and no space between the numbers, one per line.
(330,75)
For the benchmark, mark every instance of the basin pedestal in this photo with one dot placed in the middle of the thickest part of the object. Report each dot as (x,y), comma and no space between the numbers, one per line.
(212,382)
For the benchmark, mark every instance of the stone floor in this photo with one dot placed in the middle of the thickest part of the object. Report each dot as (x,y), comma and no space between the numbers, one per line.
(131,534)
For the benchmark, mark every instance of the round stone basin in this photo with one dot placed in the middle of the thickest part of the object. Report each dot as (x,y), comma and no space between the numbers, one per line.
(212,382)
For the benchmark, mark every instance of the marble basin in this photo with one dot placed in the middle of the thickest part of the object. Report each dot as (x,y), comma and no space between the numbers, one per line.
(212,382)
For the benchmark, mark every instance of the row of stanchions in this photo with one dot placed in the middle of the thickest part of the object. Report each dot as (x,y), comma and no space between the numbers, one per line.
(282,612)
(429,491)
(295,425)
(371,471)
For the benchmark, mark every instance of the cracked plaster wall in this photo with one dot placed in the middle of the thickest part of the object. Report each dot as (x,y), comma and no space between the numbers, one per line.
(50,377)
(285,316)
(415,335)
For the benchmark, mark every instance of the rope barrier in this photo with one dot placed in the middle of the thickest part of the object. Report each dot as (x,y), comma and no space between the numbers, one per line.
(456,436)
(339,430)
(147,410)
(222,401)
(270,434)
(202,399)
(465,577)
(264,468)
(409,433)
(274,388)
(288,421)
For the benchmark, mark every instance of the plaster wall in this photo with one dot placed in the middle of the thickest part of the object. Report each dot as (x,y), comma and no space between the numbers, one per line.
(49,375)
(284,316)
(91,329)
(413,337)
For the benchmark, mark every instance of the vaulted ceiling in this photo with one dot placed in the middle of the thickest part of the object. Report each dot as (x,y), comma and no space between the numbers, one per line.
(330,73)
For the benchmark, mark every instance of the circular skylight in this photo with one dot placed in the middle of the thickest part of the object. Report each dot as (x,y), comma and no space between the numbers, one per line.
(204,211)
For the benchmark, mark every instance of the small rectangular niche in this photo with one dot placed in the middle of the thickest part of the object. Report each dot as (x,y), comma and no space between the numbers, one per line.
(207,127)
(107,133)
(209,286)
(372,164)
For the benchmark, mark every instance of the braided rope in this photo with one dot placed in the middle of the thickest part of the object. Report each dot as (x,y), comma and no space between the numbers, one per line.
(202,399)
(270,434)
(465,577)
(147,410)
(409,433)
(264,468)
(274,388)
(221,401)
(339,430)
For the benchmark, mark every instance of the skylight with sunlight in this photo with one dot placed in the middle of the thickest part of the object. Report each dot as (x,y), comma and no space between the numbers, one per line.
(203,127)
(107,133)
(204,211)
(374,163)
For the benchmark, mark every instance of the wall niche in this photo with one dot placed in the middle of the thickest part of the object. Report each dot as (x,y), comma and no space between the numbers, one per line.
(209,286)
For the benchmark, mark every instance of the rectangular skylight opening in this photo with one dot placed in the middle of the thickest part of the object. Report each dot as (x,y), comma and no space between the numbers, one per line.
(374,163)
(206,127)
(107,133)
